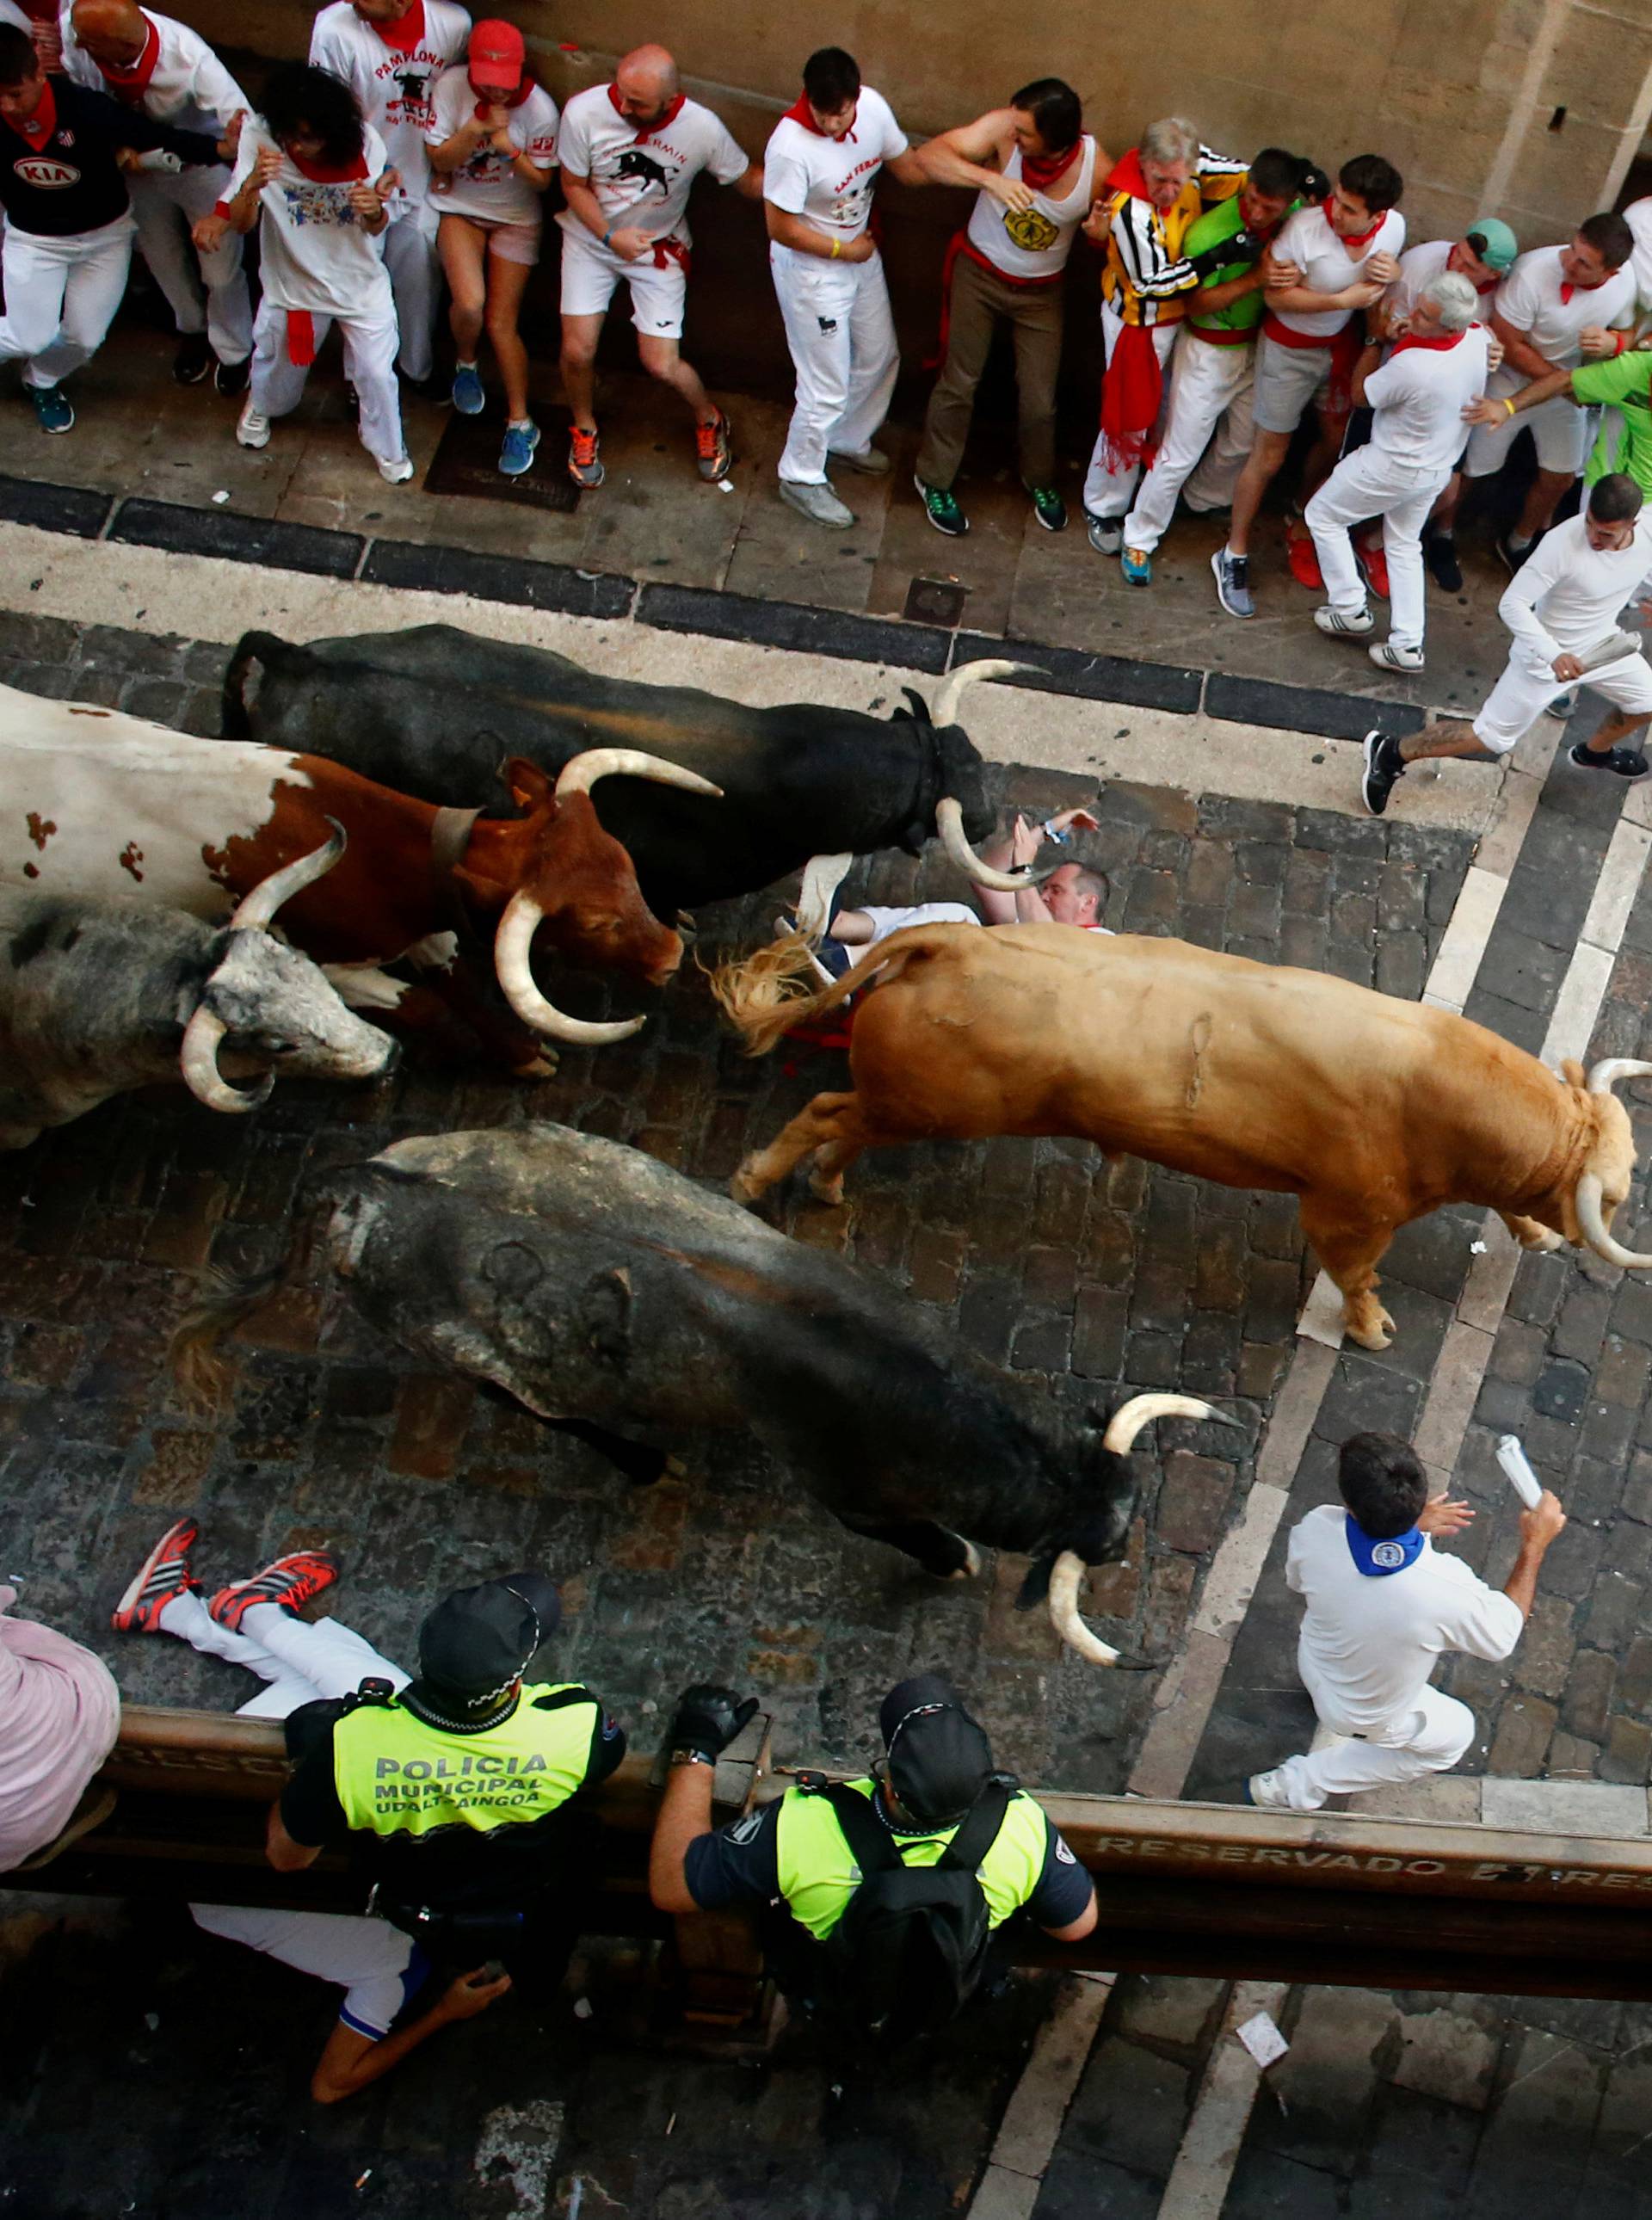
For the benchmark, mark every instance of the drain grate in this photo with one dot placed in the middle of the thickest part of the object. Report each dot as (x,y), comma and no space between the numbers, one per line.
(467,462)
(936,601)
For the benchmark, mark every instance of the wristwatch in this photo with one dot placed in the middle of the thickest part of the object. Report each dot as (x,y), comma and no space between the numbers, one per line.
(692,1757)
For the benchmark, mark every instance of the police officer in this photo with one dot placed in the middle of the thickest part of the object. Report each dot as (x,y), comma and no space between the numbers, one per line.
(937,1762)
(457,1789)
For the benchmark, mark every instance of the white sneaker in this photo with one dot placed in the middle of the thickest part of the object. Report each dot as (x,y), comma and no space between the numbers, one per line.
(818,502)
(396,473)
(1333,622)
(872,462)
(252,430)
(1388,655)
(1267,1791)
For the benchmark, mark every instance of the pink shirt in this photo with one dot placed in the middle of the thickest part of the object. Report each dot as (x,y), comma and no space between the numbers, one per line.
(59,1709)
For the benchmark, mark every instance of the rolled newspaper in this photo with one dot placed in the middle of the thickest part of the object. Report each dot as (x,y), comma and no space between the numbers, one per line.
(1516,1468)
(1612,649)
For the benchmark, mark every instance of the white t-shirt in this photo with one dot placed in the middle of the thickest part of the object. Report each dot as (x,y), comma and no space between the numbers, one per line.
(487,187)
(189,87)
(1327,266)
(11,13)
(394,88)
(315,253)
(375,1964)
(1567,595)
(830,181)
(1373,1639)
(1420,395)
(1529,298)
(641,179)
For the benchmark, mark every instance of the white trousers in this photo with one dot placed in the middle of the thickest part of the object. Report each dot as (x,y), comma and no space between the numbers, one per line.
(297,1660)
(61,296)
(1529,685)
(1371,482)
(1209,415)
(164,207)
(277,382)
(1108,492)
(843,345)
(1431,1738)
(416,272)
(886,921)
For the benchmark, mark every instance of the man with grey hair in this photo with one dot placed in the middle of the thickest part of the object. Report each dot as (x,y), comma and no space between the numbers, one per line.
(1437,366)
(1154,195)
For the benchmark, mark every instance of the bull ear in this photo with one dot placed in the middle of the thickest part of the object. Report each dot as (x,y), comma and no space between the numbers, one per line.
(529,786)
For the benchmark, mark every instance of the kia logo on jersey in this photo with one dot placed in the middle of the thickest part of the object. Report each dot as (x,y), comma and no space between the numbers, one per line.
(39,170)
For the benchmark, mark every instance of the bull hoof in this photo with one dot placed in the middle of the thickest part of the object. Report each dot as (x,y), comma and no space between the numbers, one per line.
(1546,1240)
(970,1569)
(828,1191)
(744,1186)
(1373,1330)
(542,1066)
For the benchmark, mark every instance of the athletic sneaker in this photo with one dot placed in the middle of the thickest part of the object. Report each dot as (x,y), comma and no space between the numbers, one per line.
(1384,768)
(1341,626)
(522,443)
(396,470)
(585,459)
(468,397)
(53,411)
(1562,706)
(1267,1791)
(1049,507)
(194,359)
(1440,553)
(1106,532)
(941,508)
(1304,560)
(1628,763)
(1388,655)
(818,502)
(230,377)
(1373,564)
(1513,557)
(1232,576)
(713,447)
(1137,567)
(872,462)
(164,1574)
(291,1582)
(252,430)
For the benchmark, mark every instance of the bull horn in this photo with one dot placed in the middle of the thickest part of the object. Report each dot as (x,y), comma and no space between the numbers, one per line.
(258,907)
(949,823)
(511,947)
(1606,1073)
(199,1059)
(951,689)
(1065,1575)
(1129,1418)
(580,773)
(1593,1219)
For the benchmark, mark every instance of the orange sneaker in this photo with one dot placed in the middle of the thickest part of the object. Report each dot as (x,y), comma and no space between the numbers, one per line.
(584,459)
(714,446)
(1303,557)
(164,1574)
(291,1582)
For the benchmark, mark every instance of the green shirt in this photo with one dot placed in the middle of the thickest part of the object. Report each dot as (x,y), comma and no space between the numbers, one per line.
(1625,442)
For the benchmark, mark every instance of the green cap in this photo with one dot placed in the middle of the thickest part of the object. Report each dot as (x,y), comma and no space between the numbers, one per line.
(1493,240)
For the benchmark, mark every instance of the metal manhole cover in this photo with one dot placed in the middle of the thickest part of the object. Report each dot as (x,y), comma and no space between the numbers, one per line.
(467,462)
(936,601)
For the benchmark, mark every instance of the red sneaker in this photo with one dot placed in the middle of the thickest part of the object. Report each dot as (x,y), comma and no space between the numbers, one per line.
(164,1574)
(1374,563)
(714,446)
(584,459)
(1303,557)
(291,1582)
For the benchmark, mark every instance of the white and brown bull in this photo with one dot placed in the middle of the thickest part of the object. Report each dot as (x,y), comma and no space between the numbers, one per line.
(96,806)
(1370,1110)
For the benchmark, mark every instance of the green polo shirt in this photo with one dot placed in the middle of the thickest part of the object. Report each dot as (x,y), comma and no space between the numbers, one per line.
(1625,442)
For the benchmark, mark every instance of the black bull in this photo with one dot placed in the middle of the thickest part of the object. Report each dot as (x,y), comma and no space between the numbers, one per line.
(614,1296)
(434,711)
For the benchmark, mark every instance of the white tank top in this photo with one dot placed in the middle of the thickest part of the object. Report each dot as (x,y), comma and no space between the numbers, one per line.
(1036,242)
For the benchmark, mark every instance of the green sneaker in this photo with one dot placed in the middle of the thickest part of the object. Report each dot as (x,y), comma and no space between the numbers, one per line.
(941,508)
(1049,507)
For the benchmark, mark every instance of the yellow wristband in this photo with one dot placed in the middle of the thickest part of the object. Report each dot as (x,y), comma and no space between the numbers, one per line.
(1509,405)
(836,248)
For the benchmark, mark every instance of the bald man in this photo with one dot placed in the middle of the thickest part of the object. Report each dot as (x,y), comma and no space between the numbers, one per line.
(168,72)
(630,150)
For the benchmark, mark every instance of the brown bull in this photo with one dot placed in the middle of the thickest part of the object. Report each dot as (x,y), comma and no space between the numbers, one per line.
(1371,1111)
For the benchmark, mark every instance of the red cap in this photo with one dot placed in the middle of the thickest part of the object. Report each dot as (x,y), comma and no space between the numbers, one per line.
(496,57)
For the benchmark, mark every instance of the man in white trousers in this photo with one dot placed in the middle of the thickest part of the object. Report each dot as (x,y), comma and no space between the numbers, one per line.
(254,1622)
(1436,370)
(390,53)
(821,163)
(1383,1606)
(166,70)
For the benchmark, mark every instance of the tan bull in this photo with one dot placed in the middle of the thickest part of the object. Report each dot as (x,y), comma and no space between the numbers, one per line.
(1370,1110)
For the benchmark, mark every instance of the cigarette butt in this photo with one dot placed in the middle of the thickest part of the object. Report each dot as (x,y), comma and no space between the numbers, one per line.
(362,2180)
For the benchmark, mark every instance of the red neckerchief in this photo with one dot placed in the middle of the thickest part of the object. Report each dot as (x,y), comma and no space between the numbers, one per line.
(1040,172)
(1439,346)
(504,100)
(646,130)
(129,81)
(39,127)
(329,173)
(1360,238)
(406,33)
(1128,177)
(801,112)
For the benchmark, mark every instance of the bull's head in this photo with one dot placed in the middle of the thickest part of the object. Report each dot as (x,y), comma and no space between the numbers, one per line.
(578,883)
(962,813)
(1604,1182)
(267,1006)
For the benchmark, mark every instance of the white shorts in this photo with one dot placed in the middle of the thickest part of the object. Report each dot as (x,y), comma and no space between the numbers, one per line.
(1529,685)
(1289,381)
(1561,429)
(590,271)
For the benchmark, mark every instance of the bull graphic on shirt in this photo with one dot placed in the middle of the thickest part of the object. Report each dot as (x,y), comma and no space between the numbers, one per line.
(413,83)
(634,164)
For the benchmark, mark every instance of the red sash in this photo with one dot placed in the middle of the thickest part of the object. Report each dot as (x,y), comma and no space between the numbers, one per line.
(301,324)
(1344,347)
(129,81)
(961,244)
(1132,389)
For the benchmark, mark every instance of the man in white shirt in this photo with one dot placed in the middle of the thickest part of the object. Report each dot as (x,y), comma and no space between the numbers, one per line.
(1383,1606)
(818,170)
(1419,394)
(1327,265)
(167,71)
(1562,606)
(390,53)
(630,153)
(1558,307)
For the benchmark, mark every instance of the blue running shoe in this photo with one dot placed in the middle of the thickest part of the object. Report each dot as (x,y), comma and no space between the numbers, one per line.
(516,456)
(468,396)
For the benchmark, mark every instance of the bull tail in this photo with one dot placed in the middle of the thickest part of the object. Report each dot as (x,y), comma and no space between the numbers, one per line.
(251,647)
(764,995)
(203,1373)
